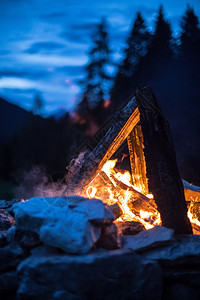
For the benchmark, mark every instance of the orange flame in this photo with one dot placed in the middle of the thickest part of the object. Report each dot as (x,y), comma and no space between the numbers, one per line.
(97,189)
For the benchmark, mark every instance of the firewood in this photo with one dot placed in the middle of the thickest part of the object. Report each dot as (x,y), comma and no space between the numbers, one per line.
(162,171)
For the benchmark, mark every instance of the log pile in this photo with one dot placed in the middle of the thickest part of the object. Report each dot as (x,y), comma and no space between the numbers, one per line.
(152,155)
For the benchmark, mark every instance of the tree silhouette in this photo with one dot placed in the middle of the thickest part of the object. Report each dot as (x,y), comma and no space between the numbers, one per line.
(161,43)
(137,45)
(190,35)
(38,104)
(98,79)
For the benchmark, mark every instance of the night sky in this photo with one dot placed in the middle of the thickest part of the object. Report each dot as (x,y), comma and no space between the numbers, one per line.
(44,43)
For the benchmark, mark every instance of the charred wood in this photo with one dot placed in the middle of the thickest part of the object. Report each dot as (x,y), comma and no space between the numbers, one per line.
(162,171)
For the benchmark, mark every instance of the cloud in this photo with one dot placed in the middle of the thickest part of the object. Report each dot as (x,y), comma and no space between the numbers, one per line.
(53,60)
(79,33)
(55,16)
(44,47)
(14,82)
(25,72)
(72,71)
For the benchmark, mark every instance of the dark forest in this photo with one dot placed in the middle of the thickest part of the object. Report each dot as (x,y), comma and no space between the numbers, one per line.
(169,64)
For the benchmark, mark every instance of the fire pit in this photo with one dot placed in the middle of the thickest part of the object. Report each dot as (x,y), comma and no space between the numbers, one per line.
(102,238)
(153,191)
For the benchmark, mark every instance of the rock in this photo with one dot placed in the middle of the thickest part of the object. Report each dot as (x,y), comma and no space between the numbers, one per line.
(32,214)
(96,211)
(70,231)
(148,239)
(6,220)
(73,230)
(8,285)
(188,275)
(116,210)
(10,237)
(129,227)
(27,239)
(118,274)
(3,238)
(109,238)
(185,250)
(183,292)
(45,250)
(8,203)
(74,201)
(3,203)
(10,257)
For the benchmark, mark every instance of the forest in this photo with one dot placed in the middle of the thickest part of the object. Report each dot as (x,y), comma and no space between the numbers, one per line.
(167,61)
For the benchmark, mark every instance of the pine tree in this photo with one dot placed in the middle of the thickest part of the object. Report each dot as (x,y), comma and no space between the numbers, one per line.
(161,46)
(98,79)
(38,104)
(190,35)
(138,42)
(137,45)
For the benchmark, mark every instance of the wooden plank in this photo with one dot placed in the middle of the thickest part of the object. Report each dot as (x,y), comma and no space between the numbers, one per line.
(137,158)
(162,171)
(122,123)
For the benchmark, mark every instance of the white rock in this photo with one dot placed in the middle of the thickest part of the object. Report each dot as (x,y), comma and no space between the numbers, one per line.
(74,230)
(96,211)
(148,239)
(71,232)
(32,214)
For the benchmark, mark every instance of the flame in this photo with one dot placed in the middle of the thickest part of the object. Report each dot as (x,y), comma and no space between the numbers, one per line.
(193,219)
(191,216)
(110,192)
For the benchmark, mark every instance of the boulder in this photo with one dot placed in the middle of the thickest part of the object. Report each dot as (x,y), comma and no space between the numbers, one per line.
(6,220)
(8,285)
(118,274)
(109,238)
(74,228)
(8,203)
(96,211)
(181,291)
(185,250)
(10,256)
(129,227)
(32,214)
(70,231)
(3,235)
(148,239)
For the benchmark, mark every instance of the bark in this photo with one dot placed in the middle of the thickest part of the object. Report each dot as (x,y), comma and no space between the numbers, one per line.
(122,123)
(162,171)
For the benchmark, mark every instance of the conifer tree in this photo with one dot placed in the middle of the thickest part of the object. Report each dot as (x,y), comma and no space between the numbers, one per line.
(98,79)
(161,46)
(137,45)
(190,35)
(38,104)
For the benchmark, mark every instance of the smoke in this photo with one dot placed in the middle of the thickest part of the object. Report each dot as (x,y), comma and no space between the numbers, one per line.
(36,182)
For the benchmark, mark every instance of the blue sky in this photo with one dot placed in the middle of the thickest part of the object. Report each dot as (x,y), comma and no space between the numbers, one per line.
(44,43)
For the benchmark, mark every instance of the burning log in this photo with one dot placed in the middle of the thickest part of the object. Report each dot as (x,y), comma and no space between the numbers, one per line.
(121,126)
(152,155)
(162,171)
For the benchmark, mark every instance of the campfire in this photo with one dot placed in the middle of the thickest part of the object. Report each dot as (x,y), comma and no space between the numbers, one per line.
(152,192)
(93,235)
(114,187)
